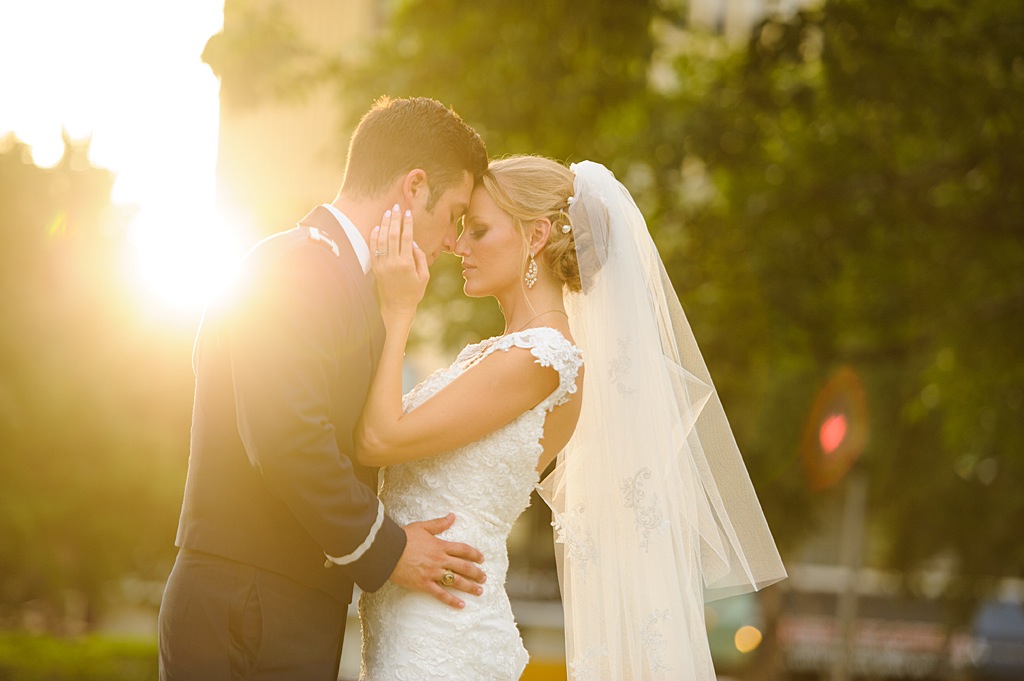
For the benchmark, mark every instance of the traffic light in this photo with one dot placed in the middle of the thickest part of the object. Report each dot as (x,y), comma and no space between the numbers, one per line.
(836,430)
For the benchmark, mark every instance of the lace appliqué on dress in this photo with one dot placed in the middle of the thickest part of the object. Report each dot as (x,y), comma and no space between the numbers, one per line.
(549,347)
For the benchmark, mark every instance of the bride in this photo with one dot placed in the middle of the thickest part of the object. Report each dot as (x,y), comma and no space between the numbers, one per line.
(652,506)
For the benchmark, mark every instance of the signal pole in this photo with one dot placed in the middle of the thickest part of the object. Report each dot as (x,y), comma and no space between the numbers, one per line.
(851,552)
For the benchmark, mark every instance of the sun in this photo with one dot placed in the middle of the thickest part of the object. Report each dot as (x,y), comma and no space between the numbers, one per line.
(178,265)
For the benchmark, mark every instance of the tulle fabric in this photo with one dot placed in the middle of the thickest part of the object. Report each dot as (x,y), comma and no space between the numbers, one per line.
(654,512)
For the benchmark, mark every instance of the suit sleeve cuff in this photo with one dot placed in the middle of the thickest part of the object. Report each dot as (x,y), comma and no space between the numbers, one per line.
(373,561)
(361,550)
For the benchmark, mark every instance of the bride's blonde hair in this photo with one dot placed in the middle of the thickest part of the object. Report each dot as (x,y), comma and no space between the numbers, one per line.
(531,188)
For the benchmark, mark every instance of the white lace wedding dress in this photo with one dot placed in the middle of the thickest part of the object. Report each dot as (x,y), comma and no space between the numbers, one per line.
(410,636)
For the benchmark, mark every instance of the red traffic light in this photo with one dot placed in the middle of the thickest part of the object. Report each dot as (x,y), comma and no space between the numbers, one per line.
(836,430)
(832,432)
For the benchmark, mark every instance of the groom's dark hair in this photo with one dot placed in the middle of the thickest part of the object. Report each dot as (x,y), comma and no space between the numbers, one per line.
(399,135)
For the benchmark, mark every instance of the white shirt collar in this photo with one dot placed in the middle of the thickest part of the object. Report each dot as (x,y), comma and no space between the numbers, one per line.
(358,243)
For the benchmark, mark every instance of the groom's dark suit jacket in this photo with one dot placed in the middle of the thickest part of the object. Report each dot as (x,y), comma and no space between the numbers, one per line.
(283,363)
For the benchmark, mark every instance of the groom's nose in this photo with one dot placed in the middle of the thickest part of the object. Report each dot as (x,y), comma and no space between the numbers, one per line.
(458,249)
(448,242)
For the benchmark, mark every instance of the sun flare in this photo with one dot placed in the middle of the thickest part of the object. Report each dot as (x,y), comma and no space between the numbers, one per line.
(128,77)
(182,264)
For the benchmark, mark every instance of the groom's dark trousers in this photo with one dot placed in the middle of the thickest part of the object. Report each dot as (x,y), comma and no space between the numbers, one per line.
(283,362)
(237,621)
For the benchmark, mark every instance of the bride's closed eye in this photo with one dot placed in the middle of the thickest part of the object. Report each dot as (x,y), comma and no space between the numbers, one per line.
(473,232)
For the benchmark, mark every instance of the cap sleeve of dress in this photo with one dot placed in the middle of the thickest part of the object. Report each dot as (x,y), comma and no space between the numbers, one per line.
(550,349)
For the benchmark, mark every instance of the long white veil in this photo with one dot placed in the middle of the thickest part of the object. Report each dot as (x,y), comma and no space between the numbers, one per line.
(654,512)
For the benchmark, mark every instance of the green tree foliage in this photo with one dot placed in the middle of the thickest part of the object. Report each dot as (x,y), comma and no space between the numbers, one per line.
(93,402)
(552,76)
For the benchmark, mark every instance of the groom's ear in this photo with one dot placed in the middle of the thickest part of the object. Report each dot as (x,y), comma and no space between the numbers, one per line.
(415,189)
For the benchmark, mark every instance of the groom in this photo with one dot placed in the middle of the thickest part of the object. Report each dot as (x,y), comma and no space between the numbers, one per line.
(278,521)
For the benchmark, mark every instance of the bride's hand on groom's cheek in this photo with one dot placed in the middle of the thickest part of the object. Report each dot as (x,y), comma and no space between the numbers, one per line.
(398,263)
(426,559)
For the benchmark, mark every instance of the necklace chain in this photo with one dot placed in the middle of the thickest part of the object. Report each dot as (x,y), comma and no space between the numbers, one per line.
(482,352)
(533,319)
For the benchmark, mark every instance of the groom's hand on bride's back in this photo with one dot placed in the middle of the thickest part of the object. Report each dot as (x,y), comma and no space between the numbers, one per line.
(426,558)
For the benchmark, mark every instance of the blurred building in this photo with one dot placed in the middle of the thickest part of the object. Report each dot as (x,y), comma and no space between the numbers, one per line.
(735,18)
(278,157)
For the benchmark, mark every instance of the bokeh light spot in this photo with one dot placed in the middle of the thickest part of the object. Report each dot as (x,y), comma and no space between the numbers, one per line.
(747,639)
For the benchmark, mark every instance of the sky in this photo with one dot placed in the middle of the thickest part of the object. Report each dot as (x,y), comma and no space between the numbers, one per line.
(127,73)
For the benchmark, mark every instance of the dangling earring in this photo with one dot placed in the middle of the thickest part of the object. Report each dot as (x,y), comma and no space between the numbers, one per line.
(531,273)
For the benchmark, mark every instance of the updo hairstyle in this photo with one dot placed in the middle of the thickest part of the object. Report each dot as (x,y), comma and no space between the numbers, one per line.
(531,188)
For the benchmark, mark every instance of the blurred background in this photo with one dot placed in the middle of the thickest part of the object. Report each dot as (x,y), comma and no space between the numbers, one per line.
(836,188)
